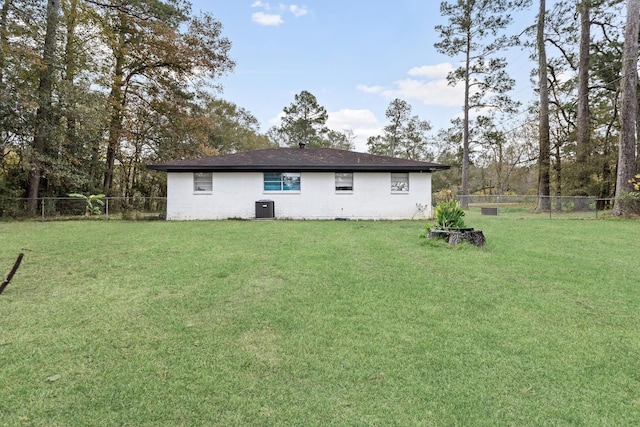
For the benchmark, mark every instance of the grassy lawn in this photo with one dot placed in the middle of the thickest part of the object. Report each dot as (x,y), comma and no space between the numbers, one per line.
(320,323)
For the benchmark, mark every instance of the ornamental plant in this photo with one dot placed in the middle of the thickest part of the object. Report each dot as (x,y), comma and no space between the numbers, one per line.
(90,208)
(449,214)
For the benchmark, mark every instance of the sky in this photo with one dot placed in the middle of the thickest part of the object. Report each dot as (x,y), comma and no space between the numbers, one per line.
(354,56)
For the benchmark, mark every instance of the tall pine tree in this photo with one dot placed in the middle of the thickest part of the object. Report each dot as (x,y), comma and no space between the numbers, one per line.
(474,33)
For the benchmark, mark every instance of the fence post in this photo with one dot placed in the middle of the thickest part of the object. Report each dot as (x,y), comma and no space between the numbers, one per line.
(42,209)
(106,208)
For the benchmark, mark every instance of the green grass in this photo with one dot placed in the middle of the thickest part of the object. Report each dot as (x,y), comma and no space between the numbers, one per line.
(320,323)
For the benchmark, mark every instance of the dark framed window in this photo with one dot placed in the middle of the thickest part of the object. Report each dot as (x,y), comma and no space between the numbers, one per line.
(344,181)
(400,182)
(282,181)
(203,182)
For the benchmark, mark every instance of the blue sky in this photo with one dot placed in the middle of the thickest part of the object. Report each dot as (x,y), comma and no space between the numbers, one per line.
(354,56)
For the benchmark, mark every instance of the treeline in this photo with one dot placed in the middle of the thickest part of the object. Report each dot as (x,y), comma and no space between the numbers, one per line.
(92,90)
(566,144)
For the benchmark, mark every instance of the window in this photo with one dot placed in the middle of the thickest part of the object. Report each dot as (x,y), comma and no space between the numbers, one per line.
(344,181)
(400,182)
(202,182)
(281,181)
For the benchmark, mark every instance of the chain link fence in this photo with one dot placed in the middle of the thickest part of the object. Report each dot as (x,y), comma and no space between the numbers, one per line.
(66,208)
(553,206)
(149,208)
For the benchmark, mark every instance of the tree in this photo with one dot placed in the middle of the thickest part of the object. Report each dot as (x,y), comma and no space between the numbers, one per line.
(582,117)
(150,51)
(505,155)
(93,90)
(544,156)
(340,140)
(20,55)
(234,128)
(628,108)
(398,112)
(44,124)
(416,140)
(405,136)
(304,121)
(471,23)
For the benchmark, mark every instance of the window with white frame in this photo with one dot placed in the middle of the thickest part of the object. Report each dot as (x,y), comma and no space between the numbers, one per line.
(202,182)
(400,182)
(344,181)
(282,181)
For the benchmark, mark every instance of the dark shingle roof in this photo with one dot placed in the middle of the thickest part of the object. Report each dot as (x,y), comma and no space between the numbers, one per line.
(299,160)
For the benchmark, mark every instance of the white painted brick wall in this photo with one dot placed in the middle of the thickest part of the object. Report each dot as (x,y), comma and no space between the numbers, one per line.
(235,193)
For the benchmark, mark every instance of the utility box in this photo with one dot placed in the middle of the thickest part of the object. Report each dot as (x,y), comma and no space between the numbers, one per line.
(489,211)
(265,209)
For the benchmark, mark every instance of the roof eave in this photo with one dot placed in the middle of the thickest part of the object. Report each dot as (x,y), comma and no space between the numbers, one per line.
(279,168)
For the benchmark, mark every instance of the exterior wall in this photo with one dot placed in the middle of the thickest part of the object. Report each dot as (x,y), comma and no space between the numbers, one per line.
(235,195)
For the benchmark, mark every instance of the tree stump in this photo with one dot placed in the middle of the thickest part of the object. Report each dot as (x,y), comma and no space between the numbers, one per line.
(475,237)
(455,237)
(438,234)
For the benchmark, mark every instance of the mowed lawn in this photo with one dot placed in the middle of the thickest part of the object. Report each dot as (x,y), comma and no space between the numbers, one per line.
(320,323)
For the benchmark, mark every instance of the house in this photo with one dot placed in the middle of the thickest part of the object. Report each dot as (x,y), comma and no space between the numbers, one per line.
(298,183)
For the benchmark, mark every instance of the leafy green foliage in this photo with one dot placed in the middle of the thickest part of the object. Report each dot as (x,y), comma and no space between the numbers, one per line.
(629,201)
(304,122)
(91,208)
(449,214)
(406,135)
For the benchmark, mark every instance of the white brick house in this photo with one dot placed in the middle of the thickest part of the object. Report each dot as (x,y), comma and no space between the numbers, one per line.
(298,183)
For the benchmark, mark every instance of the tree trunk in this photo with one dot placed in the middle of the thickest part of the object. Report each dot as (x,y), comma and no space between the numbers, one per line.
(638,133)
(628,105)
(116,103)
(582,119)
(464,192)
(71,67)
(44,114)
(544,166)
(608,177)
(557,169)
(4,13)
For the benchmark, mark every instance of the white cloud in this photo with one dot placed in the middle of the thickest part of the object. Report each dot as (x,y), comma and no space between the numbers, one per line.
(272,15)
(277,120)
(345,118)
(363,123)
(267,19)
(438,71)
(427,84)
(298,11)
(434,92)
(370,89)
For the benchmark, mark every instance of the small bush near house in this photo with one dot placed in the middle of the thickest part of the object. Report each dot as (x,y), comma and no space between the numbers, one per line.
(449,214)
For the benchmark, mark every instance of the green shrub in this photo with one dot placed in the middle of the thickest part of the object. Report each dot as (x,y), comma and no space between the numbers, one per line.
(630,202)
(449,215)
(90,208)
